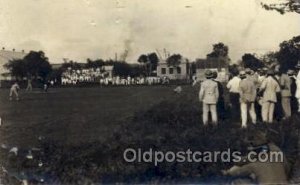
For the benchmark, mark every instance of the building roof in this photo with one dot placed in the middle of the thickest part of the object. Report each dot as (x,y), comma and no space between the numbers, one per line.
(6,55)
(164,62)
(211,63)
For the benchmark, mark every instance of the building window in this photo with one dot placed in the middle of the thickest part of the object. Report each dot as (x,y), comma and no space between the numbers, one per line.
(171,71)
(163,71)
(178,70)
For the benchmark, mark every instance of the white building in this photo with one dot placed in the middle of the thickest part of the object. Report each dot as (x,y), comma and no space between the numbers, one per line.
(5,57)
(180,72)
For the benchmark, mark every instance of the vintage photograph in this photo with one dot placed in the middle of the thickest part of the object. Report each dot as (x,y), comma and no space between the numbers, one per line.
(149,92)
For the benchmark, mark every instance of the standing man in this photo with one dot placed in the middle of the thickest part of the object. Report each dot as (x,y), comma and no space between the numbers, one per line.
(209,95)
(221,102)
(278,111)
(294,102)
(262,75)
(285,84)
(234,96)
(29,85)
(297,94)
(247,92)
(269,88)
(14,91)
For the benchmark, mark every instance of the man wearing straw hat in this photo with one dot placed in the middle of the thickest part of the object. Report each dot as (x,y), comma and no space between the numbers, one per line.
(209,95)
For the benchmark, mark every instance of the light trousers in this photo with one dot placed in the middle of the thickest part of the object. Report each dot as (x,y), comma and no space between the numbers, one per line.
(245,108)
(212,108)
(267,111)
(13,92)
(286,106)
(29,87)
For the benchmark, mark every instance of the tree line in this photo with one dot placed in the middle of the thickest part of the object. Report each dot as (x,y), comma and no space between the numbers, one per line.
(35,65)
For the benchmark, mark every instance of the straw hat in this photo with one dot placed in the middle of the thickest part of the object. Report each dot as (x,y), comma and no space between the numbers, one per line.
(209,74)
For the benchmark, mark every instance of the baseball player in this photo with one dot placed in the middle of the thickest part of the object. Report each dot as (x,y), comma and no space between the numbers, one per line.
(14,91)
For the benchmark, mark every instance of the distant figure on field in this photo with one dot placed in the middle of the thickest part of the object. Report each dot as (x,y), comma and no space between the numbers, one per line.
(46,87)
(14,91)
(209,95)
(29,85)
(194,78)
(178,89)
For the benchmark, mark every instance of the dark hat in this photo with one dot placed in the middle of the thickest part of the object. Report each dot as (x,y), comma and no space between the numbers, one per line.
(209,74)
(248,71)
(215,74)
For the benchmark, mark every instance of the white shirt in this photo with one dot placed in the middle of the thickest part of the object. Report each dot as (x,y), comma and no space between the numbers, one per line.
(15,87)
(234,84)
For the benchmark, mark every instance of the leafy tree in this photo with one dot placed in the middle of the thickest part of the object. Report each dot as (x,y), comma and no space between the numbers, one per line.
(174,60)
(251,61)
(33,65)
(121,69)
(17,68)
(143,59)
(94,63)
(149,62)
(37,65)
(153,60)
(284,7)
(289,53)
(137,70)
(56,74)
(219,50)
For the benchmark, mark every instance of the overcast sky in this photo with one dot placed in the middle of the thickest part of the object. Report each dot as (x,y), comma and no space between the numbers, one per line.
(81,29)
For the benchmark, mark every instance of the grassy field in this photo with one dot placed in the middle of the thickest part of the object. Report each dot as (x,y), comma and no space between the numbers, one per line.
(74,116)
(82,133)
